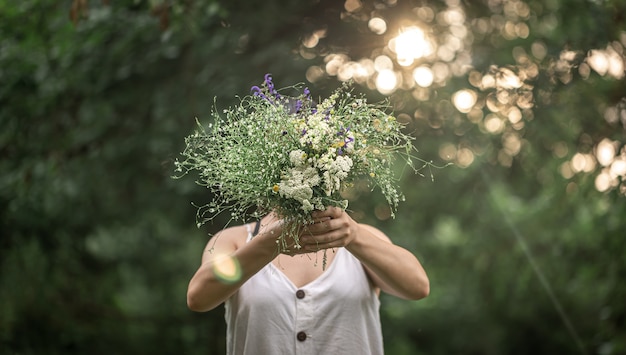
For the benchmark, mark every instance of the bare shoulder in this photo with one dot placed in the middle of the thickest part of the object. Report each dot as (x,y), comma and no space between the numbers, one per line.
(225,242)
(234,235)
(375,231)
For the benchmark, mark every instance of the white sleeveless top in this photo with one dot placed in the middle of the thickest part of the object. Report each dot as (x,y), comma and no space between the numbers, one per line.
(336,314)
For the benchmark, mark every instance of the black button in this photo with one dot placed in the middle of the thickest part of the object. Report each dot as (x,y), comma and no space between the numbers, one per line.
(301,336)
(300,294)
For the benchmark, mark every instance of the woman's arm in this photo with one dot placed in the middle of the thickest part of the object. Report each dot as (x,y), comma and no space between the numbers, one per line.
(392,268)
(206,289)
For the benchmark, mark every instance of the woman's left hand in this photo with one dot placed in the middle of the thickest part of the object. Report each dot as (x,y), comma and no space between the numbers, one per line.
(391,268)
(332,228)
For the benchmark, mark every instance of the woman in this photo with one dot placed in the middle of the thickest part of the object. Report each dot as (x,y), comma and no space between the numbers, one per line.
(296,304)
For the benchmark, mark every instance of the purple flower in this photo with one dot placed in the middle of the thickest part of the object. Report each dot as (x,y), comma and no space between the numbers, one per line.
(256,91)
(268,92)
(298,106)
(343,131)
(270,86)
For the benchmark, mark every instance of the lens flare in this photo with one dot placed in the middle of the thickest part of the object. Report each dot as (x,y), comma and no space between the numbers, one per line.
(411,44)
(226,269)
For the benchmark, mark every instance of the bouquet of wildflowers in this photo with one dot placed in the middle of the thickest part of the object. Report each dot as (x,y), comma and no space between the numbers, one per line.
(291,155)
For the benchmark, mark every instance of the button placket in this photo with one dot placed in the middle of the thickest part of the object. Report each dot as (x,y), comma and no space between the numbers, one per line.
(304,322)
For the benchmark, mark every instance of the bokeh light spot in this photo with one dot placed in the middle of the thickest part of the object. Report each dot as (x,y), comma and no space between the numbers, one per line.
(464,100)
(493,124)
(447,151)
(583,163)
(618,167)
(605,152)
(423,76)
(464,157)
(377,25)
(386,81)
(603,182)
(410,45)
(352,5)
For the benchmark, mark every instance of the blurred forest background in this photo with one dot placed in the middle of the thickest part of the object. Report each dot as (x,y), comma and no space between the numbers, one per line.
(523,237)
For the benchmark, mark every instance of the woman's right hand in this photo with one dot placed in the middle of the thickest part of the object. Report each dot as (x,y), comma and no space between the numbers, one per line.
(207,288)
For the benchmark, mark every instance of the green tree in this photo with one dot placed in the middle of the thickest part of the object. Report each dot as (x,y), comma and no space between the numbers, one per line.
(522,237)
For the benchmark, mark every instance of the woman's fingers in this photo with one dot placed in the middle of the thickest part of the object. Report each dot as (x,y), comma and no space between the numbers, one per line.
(328,230)
(332,239)
(330,212)
(321,227)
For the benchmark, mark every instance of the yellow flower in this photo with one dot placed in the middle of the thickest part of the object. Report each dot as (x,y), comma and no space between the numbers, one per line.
(275,188)
(372,174)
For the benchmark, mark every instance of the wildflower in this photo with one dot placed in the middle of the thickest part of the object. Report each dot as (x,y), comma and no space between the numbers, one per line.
(376,123)
(256,91)
(297,157)
(309,153)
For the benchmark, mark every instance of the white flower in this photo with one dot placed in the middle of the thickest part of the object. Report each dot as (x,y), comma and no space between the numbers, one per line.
(331,183)
(307,206)
(325,161)
(343,165)
(297,157)
(315,132)
(299,184)
(310,176)
(334,172)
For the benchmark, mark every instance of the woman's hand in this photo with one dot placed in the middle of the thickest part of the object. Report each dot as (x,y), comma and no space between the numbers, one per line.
(393,269)
(207,288)
(332,228)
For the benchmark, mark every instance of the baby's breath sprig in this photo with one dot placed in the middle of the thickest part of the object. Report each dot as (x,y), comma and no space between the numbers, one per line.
(291,155)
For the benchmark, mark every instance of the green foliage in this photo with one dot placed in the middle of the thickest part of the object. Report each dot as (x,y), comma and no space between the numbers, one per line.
(98,243)
(94,257)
